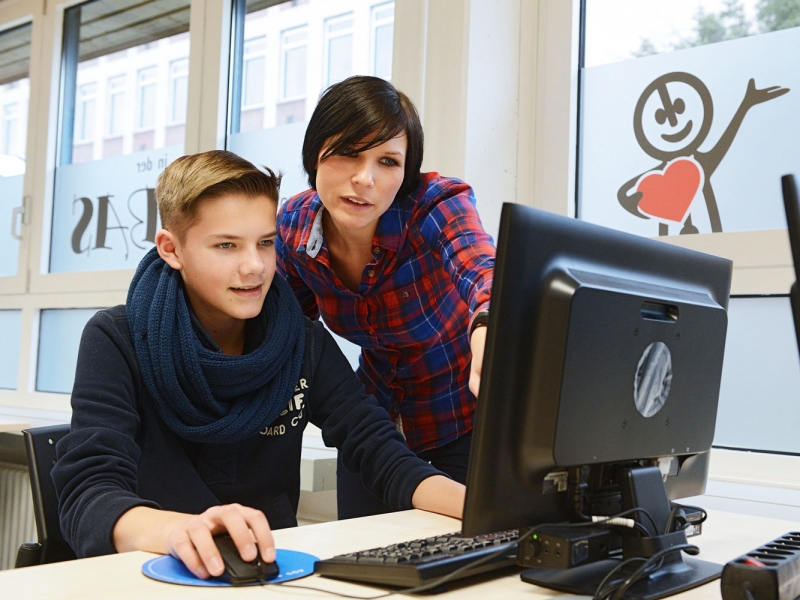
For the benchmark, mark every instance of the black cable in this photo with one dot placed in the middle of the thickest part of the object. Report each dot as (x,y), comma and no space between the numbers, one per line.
(425,586)
(697,508)
(610,574)
(648,565)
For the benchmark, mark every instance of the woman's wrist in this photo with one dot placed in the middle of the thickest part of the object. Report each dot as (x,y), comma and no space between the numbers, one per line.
(480,319)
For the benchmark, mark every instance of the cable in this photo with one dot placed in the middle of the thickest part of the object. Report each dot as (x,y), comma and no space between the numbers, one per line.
(425,586)
(648,565)
(686,524)
(610,574)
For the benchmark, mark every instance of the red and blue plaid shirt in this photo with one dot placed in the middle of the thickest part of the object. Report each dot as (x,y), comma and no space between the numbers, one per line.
(431,273)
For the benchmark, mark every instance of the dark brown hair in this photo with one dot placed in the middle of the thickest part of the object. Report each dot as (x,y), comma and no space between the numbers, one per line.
(360,113)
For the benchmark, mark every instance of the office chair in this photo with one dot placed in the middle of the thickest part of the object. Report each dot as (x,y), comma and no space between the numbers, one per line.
(40,446)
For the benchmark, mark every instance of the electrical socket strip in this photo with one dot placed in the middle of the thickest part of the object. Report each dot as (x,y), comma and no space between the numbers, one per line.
(770,572)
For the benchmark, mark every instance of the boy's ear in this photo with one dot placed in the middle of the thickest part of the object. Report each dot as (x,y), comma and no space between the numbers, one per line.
(168,247)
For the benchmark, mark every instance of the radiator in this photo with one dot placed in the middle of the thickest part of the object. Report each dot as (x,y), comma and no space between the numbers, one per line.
(17,523)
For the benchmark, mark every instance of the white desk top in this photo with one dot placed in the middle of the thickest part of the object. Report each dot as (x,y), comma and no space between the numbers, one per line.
(725,537)
(12,425)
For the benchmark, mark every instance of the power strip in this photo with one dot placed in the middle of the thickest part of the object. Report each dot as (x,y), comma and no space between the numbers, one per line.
(770,572)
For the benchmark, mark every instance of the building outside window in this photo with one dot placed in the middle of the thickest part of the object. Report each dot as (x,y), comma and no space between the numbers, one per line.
(116,105)
(338,48)
(11,129)
(382,40)
(293,50)
(254,70)
(179,87)
(147,97)
(87,109)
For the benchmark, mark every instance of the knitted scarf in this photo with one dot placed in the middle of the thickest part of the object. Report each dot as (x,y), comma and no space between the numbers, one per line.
(203,395)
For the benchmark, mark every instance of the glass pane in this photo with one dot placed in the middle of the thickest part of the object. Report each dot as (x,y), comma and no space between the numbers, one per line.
(59,338)
(179,74)
(294,64)
(761,364)
(14,94)
(383,39)
(292,50)
(11,326)
(125,88)
(340,58)
(688,114)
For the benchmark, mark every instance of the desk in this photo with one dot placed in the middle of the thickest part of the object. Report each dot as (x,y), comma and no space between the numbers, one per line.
(726,536)
(8,425)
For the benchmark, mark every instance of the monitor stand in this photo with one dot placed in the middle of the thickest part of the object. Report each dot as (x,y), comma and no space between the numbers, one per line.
(679,575)
(641,487)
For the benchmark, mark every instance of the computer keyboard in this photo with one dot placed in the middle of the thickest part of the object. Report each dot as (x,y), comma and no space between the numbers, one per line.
(410,564)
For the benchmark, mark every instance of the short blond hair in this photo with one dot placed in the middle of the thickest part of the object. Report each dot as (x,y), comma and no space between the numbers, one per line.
(196,177)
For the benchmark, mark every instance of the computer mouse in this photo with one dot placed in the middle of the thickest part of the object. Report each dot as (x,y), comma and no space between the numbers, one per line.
(239,570)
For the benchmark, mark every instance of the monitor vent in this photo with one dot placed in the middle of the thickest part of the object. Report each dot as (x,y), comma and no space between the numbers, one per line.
(640,287)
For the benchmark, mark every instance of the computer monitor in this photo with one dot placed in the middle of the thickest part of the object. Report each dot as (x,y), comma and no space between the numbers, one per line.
(602,363)
(792,205)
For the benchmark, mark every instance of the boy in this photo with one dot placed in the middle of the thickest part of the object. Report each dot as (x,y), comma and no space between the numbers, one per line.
(190,401)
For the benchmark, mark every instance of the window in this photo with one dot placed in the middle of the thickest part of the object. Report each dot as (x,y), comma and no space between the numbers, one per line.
(11,326)
(112,145)
(661,84)
(254,65)
(338,48)
(14,98)
(284,57)
(294,63)
(11,133)
(382,40)
(116,104)
(699,96)
(59,339)
(179,81)
(87,108)
(147,97)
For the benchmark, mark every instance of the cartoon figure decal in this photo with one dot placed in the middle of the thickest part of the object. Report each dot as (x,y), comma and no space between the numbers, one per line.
(672,119)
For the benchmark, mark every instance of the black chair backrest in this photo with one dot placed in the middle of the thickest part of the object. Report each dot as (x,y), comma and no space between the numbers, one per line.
(40,445)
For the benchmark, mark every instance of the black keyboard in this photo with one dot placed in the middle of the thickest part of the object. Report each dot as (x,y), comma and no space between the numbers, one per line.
(411,564)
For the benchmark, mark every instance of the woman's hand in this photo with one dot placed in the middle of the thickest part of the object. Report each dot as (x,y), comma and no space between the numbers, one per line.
(441,495)
(477,343)
(190,537)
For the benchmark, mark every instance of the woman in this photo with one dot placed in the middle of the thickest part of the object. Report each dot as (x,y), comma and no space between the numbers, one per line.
(395,261)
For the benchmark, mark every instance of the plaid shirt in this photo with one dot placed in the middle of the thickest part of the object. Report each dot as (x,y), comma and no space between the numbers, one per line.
(431,272)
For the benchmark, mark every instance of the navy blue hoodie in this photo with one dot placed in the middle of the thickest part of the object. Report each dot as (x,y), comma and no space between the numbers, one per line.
(120,454)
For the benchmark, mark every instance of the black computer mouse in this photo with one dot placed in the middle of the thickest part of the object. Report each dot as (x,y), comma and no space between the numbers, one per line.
(240,571)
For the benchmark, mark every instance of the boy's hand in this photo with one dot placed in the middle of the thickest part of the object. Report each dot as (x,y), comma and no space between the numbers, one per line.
(477,343)
(190,537)
(192,541)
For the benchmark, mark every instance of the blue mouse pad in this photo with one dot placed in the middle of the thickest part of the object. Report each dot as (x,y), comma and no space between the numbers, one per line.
(293,565)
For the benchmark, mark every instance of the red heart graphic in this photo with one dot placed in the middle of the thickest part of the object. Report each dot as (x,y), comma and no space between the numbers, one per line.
(668,194)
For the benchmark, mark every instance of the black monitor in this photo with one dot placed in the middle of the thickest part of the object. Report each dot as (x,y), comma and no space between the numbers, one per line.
(792,205)
(600,381)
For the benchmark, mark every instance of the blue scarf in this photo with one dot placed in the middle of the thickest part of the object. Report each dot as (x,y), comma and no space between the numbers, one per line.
(201,394)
